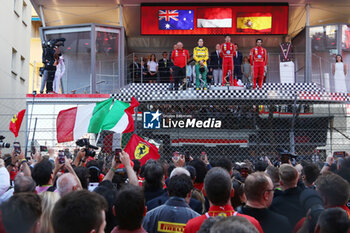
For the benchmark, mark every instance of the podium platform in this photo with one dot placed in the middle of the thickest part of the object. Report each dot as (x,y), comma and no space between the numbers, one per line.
(287,92)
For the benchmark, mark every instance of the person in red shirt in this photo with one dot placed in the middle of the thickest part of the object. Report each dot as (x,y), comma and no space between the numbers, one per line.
(227,51)
(335,192)
(218,189)
(258,61)
(179,57)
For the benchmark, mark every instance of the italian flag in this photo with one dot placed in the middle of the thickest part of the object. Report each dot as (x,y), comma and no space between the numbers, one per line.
(119,118)
(73,123)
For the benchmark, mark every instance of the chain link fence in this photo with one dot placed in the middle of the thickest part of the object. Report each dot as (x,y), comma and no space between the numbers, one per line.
(248,130)
(237,129)
(11,104)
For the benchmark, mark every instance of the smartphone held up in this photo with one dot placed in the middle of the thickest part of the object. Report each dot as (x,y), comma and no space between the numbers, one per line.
(61,157)
(17,148)
(118,151)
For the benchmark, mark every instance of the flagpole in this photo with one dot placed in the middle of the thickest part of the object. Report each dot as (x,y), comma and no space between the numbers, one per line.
(32,147)
(135,120)
(30,122)
(98,137)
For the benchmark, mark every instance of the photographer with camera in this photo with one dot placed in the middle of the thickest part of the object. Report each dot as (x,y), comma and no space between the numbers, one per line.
(85,154)
(3,144)
(86,158)
(50,50)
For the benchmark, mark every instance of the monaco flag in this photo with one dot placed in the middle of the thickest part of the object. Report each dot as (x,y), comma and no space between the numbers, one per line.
(16,122)
(214,18)
(140,149)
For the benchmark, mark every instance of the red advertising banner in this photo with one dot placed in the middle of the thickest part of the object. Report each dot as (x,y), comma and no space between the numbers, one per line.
(214,19)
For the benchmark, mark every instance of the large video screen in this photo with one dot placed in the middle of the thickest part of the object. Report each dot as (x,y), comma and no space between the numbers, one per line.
(213,19)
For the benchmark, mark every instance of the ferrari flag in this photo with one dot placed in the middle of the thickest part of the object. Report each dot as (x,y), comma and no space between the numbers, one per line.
(254,22)
(140,149)
(16,122)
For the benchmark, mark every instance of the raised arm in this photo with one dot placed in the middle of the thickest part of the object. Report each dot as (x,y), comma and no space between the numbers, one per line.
(125,159)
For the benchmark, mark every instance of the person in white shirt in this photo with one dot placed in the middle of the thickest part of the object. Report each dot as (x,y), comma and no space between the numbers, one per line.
(4,178)
(152,67)
(339,73)
(60,69)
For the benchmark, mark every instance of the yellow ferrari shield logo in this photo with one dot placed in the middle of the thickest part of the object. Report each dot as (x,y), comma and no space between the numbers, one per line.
(14,118)
(141,150)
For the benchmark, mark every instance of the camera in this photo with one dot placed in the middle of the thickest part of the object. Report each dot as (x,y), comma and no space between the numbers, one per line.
(54,42)
(84,142)
(49,52)
(3,144)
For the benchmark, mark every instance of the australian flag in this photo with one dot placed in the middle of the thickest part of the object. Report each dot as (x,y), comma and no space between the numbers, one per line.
(175,19)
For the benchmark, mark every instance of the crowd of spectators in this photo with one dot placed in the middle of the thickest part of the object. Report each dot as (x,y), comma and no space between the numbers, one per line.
(83,195)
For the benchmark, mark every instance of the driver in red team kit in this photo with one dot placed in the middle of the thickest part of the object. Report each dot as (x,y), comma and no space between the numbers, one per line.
(258,61)
(227,52)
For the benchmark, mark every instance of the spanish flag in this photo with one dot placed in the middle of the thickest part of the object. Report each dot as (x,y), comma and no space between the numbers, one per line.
(16,122)
(254,22)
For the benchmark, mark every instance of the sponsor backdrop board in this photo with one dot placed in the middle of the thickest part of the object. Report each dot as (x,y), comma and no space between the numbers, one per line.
(213,19)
